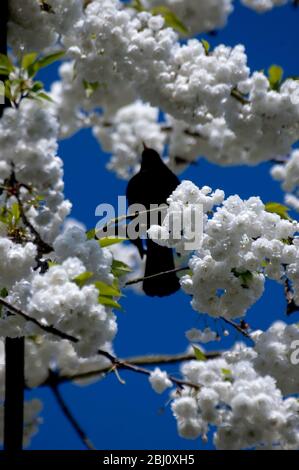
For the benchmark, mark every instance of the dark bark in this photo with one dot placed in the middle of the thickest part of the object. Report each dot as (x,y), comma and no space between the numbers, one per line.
(14,394)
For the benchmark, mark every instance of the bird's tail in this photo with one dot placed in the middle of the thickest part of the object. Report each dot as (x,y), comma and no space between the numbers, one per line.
(159,259)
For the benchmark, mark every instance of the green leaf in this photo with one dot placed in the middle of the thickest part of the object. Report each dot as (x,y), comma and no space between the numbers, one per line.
(44,96)
(107,290)
(90,234)
(107,241)
(170,18)
(279,209)
(4,71)
(226,371)
(287,241)
(44,62)
(119,268)
(206,46)
(227,375)
(37,86)
(137,5)
(28,59)
(15,212)
(6,63)
(185,272)
(109,302)
(200,356)
(8,94)
(50,59)
(90,88)
(3,292)
(3,215)
(82,278)
(245,277)
(51,264)
(275,74)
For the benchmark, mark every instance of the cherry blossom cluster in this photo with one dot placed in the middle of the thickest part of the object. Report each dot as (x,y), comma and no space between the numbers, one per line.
(198,17)
(53,298)
(240,118)
(288,174)
(243,244)
(28,139)
(42,355)
(201,336)
(30,170)
(247,409)
(16,261)
(35,25)
(129,255)
(241,394)
(39,24)
(73,243)
(124,136)
(159,380)
(230,116)
(263,5)
(262,128)
(276,355)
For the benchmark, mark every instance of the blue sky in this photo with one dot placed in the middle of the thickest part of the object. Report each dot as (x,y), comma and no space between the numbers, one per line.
(132,416)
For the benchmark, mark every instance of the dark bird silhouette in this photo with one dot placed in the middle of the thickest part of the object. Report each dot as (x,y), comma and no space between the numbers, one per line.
(152,185)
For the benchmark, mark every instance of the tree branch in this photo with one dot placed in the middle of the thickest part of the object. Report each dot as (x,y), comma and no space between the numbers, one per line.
(126,217)
(42,246)
(148,360)
(113,359)
(237,327)
(48,329)
(163,273)
(69,415)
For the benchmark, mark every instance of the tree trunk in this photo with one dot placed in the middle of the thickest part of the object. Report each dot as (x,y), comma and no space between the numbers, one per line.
(14,394)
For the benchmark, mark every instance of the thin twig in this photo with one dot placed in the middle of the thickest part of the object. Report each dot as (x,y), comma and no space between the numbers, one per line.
(235,93)
(187,132)
(163,273)
(126,217)
(47,328)
(70,417)
(148,360)
(194,134)
(237,327)
(43,247)
(141,370)
(113,359)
